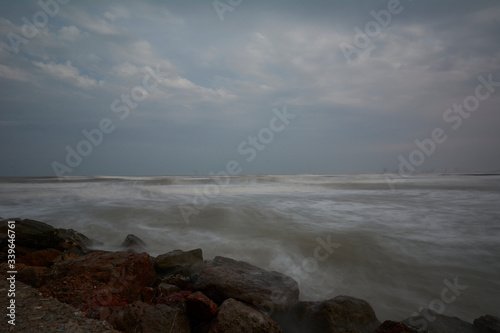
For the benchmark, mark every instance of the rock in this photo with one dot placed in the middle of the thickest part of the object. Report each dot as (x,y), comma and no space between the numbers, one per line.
(235,316)
(178,299)
(132,242)
(437,323)
(38,235)
(69,254)
(171,262)
(165,289)
(148,294)
(390,326)
(141,317)
(42,258)
(32,275)
(101,279)
(227,278)
(340,314)
(200,308)
(487,324)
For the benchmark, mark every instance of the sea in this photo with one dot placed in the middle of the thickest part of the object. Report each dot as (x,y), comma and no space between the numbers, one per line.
(402,243)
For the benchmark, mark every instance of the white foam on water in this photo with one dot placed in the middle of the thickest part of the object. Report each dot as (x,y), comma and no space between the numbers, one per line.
(396,247)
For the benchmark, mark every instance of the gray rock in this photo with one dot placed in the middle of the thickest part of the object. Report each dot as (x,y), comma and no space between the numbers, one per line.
(170,262)
(437,323)
(225,278)
(165,289)
(235,316)
(338,315)
(38,235)
(132,242)
(487,324)
(390,326)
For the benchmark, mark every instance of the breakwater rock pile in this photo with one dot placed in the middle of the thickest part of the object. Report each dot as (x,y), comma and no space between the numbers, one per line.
(181,292)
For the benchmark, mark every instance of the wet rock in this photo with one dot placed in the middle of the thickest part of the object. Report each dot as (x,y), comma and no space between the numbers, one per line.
(132,242)
(38,235)
(42,258)
(200,308)
(32,275)
(225,278)
(437,323)
(487,324)
(101,279)
(340,314)
(148,294)
(173,262)
(235,316)
(177,300)
(390,326)
(141,317)
(165,289)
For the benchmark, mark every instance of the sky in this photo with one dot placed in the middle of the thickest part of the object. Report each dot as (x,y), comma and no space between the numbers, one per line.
(248,87)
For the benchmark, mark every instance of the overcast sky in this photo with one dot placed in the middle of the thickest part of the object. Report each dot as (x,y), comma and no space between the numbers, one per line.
(184,87)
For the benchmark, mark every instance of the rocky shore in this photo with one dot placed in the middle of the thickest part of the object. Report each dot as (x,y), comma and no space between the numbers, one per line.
(179,291)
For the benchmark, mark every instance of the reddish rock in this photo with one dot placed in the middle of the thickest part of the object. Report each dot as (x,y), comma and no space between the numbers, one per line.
(140,317)
(32,275)
(148,294)
(101,279)
(42,258)
(200,308)
(235,316)
(390,326)
(177,299)
(182,282)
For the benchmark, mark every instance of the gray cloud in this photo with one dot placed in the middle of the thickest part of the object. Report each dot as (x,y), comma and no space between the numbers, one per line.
(223,78)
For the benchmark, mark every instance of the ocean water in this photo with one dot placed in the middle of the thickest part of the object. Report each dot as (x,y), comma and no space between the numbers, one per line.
(396,242)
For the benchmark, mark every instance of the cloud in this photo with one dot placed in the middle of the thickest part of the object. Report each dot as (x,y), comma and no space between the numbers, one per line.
(224,78)
(70,33)
(89,22)
(13,74)
(67,73)
(117,12)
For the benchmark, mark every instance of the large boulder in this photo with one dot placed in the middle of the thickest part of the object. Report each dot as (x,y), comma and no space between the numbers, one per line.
(200,308)
(38,235)
(235,316)
(178,261)
(41,258)
(225,278)
(487,324)
(438,323)
(141,317)
(338,315)
(101,279)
